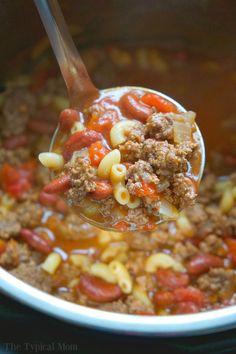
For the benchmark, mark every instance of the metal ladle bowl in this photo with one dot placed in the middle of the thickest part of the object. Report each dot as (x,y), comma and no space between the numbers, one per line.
(80,88)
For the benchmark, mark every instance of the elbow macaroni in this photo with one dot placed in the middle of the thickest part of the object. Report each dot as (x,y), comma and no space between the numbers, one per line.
(118,133)
(118,173)
(168,210)
(121,194)
(51,160)
(81,261)
(102,271)
(134,202)
(113,250)
(51,263)
(141,295)
(105,237)
(124,279)
(164,261)
(107,162)
(185,225)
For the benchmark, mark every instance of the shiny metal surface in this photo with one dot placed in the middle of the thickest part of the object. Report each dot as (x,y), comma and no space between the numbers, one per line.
(204,26)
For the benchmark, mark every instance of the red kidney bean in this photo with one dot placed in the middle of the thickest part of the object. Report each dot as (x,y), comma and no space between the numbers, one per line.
(186,307)
(47,199)
(159,102)
(171,280)
(189,295)
(79,141)
(131,107)
(99,290)
(35,241)
(41,126)
(15,141)
(67,118)
(58,185)
(163,299)
(201,263)
(61,206)
(103,190)
(54,200)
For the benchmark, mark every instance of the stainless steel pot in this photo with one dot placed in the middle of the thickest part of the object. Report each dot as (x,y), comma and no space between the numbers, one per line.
(204,26)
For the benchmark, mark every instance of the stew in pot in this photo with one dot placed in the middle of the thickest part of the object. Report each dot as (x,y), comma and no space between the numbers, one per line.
(184,266)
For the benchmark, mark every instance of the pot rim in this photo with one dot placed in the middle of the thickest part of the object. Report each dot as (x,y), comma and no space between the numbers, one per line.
(177,325)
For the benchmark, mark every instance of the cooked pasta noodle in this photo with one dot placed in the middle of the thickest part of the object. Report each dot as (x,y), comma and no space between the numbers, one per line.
(51,160)
(118,133)
(124,279)
(162,260)
(118,172)
(107,162)
(51,263)
(121,194)
(102,271)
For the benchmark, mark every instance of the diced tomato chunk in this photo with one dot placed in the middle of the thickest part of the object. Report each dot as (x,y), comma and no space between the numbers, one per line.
(27,169)
(17,181)
(147,190)
(231,243)
(96,153)
(121,226)
(169,279)
(148,227)
(103,123)
(159,102)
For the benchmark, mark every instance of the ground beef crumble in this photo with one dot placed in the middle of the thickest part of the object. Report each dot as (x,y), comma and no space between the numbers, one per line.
(14,157)
(183,192)
(16,253)
(115,306)
(19,105)
(160,126)
(9,225)
(28,214)
(82,178)
(140,171)
(130,151)
(33,275)
(137,306)
(217,279)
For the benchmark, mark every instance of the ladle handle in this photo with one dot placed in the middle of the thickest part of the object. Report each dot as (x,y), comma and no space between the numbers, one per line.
(80,87)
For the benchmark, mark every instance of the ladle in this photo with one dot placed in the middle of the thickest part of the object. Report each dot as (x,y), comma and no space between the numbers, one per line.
(80,88)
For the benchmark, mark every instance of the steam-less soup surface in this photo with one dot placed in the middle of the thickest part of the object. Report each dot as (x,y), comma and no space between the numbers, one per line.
(184,266)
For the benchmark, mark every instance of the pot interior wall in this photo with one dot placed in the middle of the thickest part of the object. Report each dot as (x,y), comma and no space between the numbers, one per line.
(206,25)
